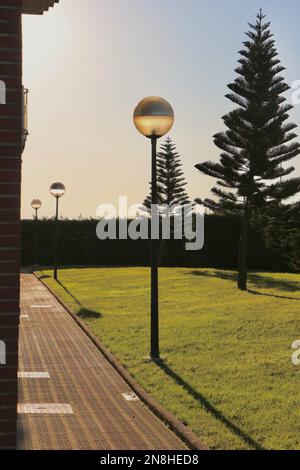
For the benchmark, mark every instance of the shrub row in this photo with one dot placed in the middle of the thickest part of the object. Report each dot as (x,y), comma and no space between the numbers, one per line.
(79,245)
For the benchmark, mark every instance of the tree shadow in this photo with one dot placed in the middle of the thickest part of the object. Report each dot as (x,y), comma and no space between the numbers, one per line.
(208,406)
(258,280)
(264,294)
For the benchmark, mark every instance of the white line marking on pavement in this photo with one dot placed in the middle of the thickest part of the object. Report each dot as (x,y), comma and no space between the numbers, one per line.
(49,408)
(34,375)
(41,306)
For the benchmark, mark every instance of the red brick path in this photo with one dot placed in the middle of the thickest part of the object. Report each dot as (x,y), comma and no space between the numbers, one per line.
(81,377)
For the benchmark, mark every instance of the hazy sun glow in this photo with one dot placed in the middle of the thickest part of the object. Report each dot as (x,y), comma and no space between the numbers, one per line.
(87,63)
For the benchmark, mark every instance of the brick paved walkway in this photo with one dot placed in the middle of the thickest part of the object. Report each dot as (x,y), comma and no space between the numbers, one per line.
(76,374)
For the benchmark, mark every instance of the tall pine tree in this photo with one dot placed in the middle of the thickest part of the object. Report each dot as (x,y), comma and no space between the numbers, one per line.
(257,141)
(171,192)
(170,178)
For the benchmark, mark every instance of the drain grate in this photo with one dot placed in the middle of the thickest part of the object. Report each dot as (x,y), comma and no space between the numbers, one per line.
(39,408)
(34,375)
(130,396)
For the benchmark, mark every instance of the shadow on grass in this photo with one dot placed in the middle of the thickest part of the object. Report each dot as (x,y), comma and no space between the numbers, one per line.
(83,313)
(208,406)
(264,294)
(86,314)
(258,280)
(69,293)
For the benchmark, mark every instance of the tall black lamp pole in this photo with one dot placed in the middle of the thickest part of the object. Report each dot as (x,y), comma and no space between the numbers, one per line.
(153,118)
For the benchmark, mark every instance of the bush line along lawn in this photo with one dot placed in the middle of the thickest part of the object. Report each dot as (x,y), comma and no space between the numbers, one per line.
(228,371)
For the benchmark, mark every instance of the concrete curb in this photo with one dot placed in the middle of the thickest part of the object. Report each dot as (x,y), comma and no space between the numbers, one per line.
(182,431)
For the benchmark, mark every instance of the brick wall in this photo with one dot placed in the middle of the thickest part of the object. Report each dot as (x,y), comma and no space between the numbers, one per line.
(10,171)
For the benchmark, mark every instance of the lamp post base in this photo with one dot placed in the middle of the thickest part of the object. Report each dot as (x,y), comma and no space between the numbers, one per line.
(155,360)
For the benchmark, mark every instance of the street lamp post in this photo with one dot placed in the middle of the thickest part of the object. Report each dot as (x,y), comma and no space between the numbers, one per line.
(57,190)
(153,118)
(36,204)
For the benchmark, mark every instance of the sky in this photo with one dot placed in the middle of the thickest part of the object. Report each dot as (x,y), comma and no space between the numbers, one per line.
(87,63)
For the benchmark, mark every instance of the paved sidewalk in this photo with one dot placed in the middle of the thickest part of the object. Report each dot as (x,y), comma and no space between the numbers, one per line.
(75,374)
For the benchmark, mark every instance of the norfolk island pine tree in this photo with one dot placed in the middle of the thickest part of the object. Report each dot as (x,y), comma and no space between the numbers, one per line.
(171,182)
(257,142)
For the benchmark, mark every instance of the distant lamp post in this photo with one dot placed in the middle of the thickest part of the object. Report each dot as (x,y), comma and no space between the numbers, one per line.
(36,204)
(154,117)
(57,190)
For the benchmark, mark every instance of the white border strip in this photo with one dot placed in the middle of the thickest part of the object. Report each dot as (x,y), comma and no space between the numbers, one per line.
(33,375)
(45,408)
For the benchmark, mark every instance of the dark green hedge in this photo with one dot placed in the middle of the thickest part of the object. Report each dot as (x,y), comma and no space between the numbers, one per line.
(79,245)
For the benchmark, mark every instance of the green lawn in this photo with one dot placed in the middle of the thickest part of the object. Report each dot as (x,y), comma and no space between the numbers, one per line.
(228,372)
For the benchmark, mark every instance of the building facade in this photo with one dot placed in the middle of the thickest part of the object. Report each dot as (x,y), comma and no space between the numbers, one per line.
(11,147)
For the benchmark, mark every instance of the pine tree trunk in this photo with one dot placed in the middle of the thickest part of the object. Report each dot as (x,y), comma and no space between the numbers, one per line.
(243,249)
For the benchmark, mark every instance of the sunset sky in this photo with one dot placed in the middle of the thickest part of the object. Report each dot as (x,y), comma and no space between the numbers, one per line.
(88,62)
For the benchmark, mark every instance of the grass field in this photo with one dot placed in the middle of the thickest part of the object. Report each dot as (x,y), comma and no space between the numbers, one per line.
(228,372)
